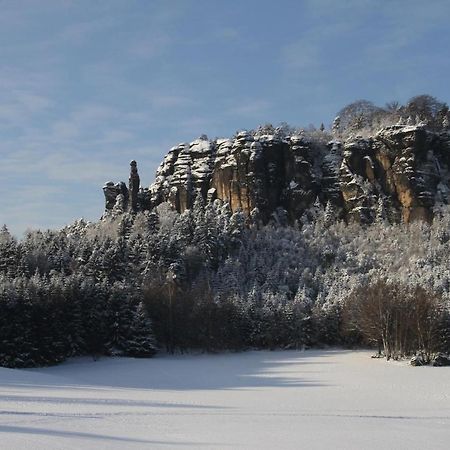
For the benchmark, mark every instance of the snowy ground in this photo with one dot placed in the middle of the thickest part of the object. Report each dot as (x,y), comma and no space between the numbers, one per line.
(260,400)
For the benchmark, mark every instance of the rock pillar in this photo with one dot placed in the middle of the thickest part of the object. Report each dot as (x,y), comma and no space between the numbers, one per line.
(133,186)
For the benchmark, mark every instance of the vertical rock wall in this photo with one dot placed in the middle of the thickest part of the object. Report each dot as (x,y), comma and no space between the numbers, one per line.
(402,170)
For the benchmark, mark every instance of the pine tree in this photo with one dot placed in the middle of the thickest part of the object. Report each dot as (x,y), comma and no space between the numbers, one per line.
(9,253)
(329,214)
(141,342)
(381,215)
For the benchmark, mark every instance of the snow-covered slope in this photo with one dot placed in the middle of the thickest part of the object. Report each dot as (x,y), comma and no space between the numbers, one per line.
(255,400)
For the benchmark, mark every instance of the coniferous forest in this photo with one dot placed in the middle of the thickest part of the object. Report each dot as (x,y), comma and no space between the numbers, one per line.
(204,280)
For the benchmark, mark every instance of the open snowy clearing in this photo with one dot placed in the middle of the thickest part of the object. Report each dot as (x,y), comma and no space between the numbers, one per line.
(261,400)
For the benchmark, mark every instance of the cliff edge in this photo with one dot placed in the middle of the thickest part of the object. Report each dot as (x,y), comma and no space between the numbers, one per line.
(398,174)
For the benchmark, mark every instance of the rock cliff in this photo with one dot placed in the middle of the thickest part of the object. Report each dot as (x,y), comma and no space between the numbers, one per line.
(399,174)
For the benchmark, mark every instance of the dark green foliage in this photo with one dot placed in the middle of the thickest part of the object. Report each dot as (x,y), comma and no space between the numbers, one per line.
(44,320)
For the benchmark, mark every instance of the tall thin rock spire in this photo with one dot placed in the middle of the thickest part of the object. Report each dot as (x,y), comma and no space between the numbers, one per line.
(133,186)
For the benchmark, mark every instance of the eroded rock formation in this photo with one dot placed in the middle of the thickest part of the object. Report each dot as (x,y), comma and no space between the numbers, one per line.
(399,174)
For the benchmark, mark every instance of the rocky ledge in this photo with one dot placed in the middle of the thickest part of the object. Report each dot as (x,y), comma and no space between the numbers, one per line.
(399,174)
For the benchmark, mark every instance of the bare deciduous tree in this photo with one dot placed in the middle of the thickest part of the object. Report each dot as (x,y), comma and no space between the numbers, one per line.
(400,319)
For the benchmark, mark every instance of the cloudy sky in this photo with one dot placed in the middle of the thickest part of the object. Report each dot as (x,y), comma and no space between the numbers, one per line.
(88,85)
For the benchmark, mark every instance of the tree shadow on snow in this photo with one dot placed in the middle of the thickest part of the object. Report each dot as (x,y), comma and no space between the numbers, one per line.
(90,436)
(246,370)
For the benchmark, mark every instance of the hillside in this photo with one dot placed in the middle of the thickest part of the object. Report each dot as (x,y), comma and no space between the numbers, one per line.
(275,238)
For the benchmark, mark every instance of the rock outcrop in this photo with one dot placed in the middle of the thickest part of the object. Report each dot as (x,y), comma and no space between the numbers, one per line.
(399,174)
(133,186)
(119,198)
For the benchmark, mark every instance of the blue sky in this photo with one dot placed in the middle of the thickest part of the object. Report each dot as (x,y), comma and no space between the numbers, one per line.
(86,86)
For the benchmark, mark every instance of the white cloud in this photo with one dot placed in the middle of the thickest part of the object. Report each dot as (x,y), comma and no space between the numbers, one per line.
(227,33)
(250,108)
(148,47)
(82,32)
(302,54)
(167,100)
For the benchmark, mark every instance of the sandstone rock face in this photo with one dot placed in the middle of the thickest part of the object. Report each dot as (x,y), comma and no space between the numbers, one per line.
(247,172)
(399,174)
(112,191)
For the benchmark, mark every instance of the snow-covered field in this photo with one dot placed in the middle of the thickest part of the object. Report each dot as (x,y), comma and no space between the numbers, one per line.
(261,400)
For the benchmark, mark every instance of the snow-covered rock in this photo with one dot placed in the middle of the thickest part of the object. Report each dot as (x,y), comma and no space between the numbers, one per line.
(440,360)
(402,166)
